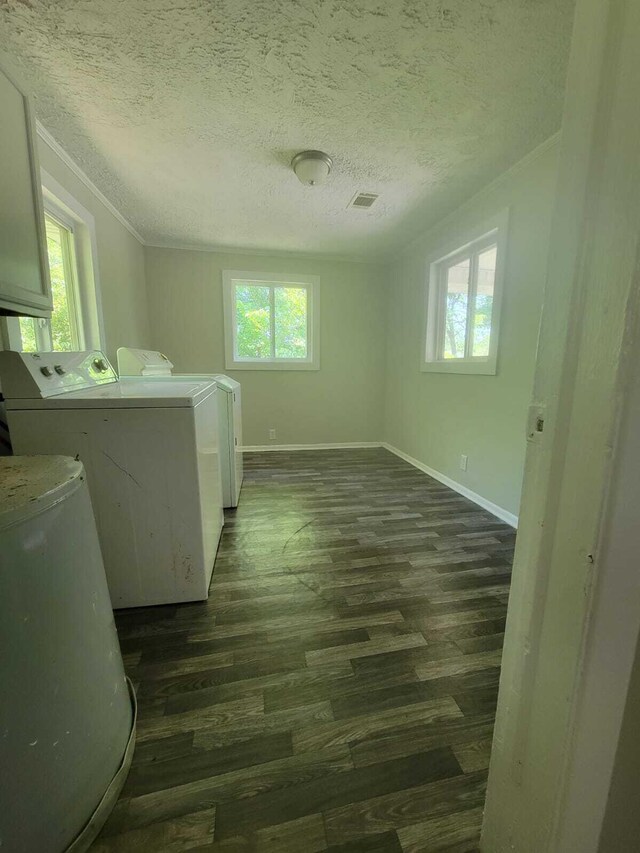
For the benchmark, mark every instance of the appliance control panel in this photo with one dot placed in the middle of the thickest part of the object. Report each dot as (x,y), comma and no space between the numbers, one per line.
(33,375)
(143,362)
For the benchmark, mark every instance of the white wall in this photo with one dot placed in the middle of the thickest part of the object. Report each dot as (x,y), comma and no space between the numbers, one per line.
(563,679)
(341,402)
(621,825)
(436,417)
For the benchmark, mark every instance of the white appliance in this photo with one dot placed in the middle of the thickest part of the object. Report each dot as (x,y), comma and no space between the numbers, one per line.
(66,715)
(152,364)
(151,454)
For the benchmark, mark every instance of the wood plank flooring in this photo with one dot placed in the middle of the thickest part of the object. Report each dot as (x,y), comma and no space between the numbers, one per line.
(337,691)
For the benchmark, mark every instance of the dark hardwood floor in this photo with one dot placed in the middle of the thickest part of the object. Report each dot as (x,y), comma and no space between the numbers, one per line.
(337,691)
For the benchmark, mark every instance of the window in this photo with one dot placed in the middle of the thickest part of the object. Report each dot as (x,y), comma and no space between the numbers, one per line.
(63,331)
(463,306)
(76,319)
(271,321)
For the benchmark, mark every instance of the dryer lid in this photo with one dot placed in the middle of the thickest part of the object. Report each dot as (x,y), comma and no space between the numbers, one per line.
(226,383)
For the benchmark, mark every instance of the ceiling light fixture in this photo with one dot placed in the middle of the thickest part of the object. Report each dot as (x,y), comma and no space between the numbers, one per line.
(312,167)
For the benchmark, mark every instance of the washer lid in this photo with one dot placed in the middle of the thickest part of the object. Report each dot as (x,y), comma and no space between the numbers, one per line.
(136,393)
(31,484)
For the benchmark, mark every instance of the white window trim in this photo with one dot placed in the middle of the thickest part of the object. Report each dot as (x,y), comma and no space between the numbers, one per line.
(61,205)
(493,230)
(74,296)
(64,207)
(311,282)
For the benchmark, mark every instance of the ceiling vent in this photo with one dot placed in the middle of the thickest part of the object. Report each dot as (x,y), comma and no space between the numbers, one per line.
(363,201)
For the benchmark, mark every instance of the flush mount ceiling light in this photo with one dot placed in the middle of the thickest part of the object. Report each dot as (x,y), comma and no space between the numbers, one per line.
(312,167)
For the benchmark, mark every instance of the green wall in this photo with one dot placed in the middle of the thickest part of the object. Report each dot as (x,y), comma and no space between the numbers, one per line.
(436,417)
(341,402)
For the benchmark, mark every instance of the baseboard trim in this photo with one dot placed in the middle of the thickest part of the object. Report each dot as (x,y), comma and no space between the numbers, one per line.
(494,509)
(344,445)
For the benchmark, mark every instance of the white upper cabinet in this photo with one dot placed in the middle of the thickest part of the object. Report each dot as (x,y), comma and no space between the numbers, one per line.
(24,270)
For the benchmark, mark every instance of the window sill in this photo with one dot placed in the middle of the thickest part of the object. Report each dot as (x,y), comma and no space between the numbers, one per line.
(484,367)
(272,365)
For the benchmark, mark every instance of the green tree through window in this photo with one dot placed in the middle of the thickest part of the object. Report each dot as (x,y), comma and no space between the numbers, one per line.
(290,305)
(60,333)
(468,305)
(253,319)
(271,321)
(29,334)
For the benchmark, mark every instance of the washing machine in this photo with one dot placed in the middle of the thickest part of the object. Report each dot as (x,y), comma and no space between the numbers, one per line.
(150,364)
(151,453)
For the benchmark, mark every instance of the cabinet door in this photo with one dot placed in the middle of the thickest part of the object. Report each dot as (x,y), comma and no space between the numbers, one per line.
(24,270)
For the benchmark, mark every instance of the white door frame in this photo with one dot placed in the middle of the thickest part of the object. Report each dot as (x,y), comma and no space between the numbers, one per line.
(553,647)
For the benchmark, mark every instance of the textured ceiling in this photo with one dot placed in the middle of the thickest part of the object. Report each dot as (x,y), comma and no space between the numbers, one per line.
(186,113)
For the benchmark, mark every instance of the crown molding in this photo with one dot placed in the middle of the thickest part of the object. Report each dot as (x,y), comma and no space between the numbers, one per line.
(493,185)
(275,253)
(71,164)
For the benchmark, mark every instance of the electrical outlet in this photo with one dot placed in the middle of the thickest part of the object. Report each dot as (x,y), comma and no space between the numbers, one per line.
(272,433)
(463,462)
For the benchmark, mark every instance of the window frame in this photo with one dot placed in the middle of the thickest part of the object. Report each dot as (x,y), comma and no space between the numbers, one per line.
(85,297)
(468,245)
(42,326)
(312,285)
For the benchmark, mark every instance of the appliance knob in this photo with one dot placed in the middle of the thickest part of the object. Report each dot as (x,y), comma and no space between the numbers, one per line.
(59,369)
(100,365)
(46,371)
